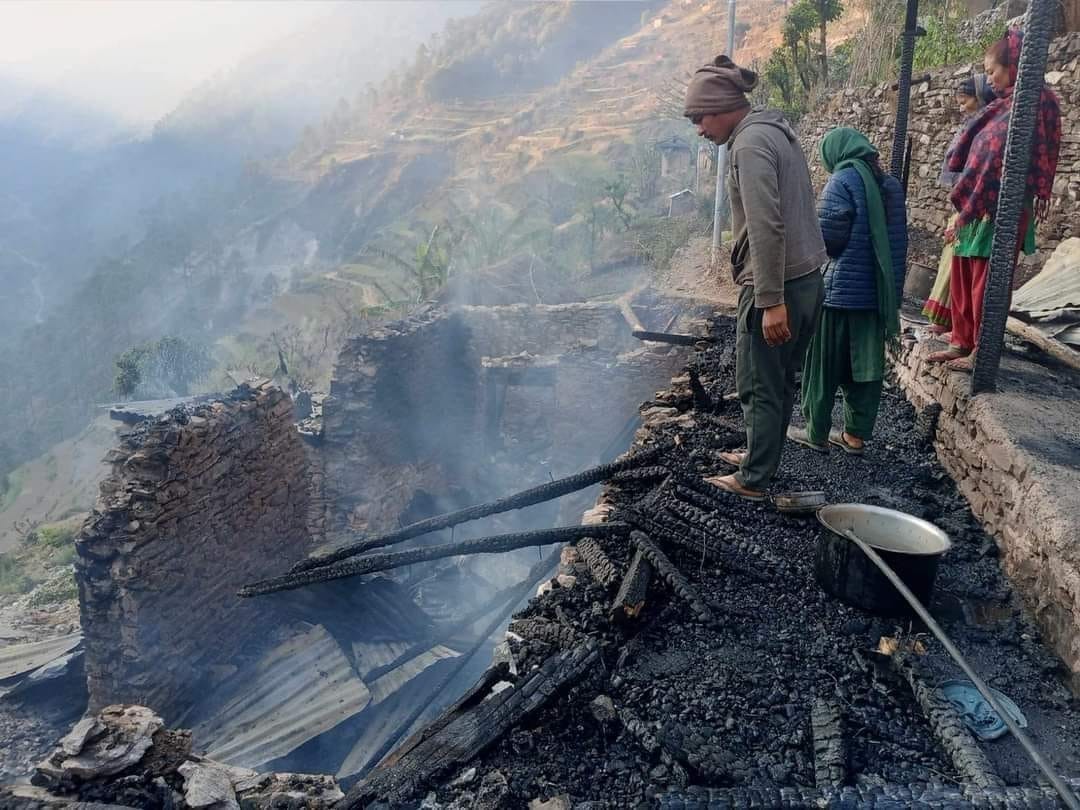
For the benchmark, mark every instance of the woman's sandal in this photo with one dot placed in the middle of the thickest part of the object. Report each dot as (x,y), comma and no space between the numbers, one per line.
(728,483)
(947,356)
(836,438)
(966,363)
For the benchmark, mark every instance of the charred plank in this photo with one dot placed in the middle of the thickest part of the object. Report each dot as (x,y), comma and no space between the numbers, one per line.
(471,731)
(860,797)
(827,724)
(599,564)
(632,591)
(674,578)
(968,759)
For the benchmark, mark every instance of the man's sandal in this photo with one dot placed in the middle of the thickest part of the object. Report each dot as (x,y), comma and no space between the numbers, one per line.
(733,457)
(728,483)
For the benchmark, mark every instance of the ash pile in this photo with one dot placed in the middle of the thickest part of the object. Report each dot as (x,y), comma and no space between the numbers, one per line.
(693,660)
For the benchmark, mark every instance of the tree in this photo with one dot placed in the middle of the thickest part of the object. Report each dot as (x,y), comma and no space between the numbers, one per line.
(828,11)
(170,365)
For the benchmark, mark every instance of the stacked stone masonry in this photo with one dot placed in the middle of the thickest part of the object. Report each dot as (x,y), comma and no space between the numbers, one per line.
(934,120)
(197,502)
(413,404)
(1029,509)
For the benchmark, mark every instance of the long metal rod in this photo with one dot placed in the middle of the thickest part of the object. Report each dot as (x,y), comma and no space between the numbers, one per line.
(1063,790)
(721,154)
(997,294)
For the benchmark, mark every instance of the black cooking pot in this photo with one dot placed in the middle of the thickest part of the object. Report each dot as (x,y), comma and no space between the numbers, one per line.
(912,548)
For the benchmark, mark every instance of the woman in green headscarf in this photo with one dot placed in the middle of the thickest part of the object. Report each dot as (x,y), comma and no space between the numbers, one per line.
(864,224)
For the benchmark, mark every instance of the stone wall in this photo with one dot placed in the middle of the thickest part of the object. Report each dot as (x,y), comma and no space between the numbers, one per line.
(934,120)
(428,403)
(401,414)
(545,329)
(997,447)
(198,502)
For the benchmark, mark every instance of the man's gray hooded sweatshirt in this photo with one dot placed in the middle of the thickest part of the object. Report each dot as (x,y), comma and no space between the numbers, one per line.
(777,236)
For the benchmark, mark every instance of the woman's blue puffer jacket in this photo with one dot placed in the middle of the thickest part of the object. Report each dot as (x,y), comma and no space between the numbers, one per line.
(851,275)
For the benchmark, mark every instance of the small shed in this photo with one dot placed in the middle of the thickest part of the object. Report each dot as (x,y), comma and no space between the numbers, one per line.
(682,203)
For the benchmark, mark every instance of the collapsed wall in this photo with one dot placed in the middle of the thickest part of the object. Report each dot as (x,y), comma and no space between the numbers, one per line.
(935,118)
(198,501)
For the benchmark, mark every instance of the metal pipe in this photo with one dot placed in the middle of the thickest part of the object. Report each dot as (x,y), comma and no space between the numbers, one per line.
(1059,784)
(721,154)
(997,295)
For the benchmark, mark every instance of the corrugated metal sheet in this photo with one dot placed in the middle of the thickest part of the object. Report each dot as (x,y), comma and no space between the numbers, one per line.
(18,659)
(1055,291)
(393,680)
(371,655)
(299,690)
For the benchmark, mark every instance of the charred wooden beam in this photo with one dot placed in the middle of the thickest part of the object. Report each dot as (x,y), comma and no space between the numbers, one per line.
(830,758)
(668,337)
(528,497)
(470,731)
(635,585)
(968,759)
(599,564)
(699,748)
(536,629)
(383,562)
(640,474)
(679,584)
(859,797)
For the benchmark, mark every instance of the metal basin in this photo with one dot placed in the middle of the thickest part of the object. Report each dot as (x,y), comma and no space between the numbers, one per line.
(912,547)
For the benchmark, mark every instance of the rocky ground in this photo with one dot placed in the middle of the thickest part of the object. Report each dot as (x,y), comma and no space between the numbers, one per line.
(728,704)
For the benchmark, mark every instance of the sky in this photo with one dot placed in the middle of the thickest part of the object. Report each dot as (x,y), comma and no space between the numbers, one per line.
(135,59)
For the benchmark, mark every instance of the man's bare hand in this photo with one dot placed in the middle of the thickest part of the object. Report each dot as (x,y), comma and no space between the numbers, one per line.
(774,325)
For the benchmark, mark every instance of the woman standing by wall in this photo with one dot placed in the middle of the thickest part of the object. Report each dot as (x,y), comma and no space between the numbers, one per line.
(864,225)
(972,95)
(978,157)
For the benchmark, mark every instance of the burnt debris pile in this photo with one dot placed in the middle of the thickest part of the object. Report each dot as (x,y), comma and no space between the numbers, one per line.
(685,657)
(693,660)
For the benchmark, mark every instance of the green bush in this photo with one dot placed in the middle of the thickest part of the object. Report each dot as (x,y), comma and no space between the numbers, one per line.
(943,44)
(55,535)
(56,592)
(13,580)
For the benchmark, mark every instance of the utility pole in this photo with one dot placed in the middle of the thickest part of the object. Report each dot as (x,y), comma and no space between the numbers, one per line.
(1025,109)
(720,201)
(903,88)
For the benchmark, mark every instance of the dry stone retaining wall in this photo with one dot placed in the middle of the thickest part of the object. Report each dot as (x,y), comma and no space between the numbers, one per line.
(1027,503)
(934,120)
(196,504)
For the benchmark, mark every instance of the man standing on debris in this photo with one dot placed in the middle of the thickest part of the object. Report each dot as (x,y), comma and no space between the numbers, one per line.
(775,258)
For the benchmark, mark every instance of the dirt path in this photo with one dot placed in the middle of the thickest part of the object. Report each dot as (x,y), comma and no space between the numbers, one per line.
(690,276)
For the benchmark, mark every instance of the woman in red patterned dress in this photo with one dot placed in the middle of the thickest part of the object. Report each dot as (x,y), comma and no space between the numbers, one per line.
(978,157)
